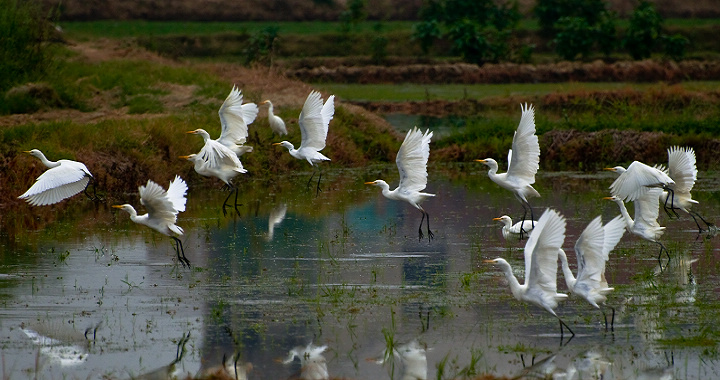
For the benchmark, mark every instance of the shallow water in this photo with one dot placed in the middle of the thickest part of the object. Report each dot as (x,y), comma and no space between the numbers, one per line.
(346,269)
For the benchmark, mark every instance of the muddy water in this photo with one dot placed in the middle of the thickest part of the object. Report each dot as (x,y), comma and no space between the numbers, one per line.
(345,269)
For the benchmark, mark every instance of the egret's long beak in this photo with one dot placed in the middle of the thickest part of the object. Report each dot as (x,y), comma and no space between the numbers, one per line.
(26,151)
(264,101)
(609,169)
(184,157)
(370,183)
(277,143)
(497,218)
(480,160)
(489,261)
(608,198)
(195,131)
(117,206)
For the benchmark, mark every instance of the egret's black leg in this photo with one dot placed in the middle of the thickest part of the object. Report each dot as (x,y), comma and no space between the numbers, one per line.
(605,318)
(662,248)
(310,180)
(612,321)
(427,220)
(566,326)
(236,202)
(94,197)
(317,188)
(694,214)
(420,233)
(179,248)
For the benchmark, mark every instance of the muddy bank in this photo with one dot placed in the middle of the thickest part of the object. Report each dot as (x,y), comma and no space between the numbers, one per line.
(465,73)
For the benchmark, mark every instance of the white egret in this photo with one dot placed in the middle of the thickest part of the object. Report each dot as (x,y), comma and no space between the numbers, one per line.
(683,170)
(592,250)
(221,163)
(313,365)
(411,161)
(523,163)
(62,180)
(510,230)
(314,121)
(162,209)
(645,224)
(276,123)
(234,119)
(541,256)
(412,357)
(636,180)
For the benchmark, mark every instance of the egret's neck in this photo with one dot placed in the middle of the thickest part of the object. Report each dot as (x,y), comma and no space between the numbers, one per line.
(515,286)
(205,136)
(270,108)
(623,210)
(569,277)
(385,188)
(46,162)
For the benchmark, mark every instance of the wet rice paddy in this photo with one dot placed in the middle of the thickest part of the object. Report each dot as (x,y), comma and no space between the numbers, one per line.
(345,269)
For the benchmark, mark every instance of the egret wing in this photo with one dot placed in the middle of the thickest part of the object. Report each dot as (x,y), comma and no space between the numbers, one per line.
(58,183)
(412,160)
(647,207)
(235,118)
(682,168)
(524,161)
(614,231)
(541,252)
(636,180)
(314,120)
(157,203)
(217,155)
(589,251)
(176,193)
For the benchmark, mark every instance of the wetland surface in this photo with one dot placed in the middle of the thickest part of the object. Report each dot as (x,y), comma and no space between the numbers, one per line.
(346,269)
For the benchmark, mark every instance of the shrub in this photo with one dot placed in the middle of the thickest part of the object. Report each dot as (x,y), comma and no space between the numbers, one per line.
(574,37)
(675,46)
(23,49)
(478,30)
(643,32)
(261,45)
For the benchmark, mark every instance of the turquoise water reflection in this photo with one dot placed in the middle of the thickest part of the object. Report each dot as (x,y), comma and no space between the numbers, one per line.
(353,276)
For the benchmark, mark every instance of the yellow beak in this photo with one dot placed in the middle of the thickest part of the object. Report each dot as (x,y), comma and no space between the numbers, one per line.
(277,143)
(609,169)
(480,160)
(117,206)
(489,261)
(608,198)
(184,157)
(497,218)
(370,183)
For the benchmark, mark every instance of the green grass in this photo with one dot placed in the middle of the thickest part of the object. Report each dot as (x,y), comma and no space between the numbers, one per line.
(141,28)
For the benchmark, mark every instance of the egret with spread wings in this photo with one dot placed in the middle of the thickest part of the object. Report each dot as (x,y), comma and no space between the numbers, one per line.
(523,163)
(592,250)
(234,120)
(162,209)
(541,256)
(62,180)
(411,161)
(683,170)
(314,121)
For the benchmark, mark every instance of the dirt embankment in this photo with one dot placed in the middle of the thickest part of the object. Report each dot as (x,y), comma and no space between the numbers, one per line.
(465,73)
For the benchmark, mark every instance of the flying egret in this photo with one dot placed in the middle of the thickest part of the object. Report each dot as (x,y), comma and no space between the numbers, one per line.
(645,224)
(221,163)
(314,121)
(683,170)
(411,161)
(637,179)
(510,230)
(541,256)
(62,180)
(313,365)
(234,119)
(276,123)
(162,209)
(523,163)
(592,250)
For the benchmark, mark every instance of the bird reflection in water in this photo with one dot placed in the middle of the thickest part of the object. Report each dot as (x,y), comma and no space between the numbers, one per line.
(313,365)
